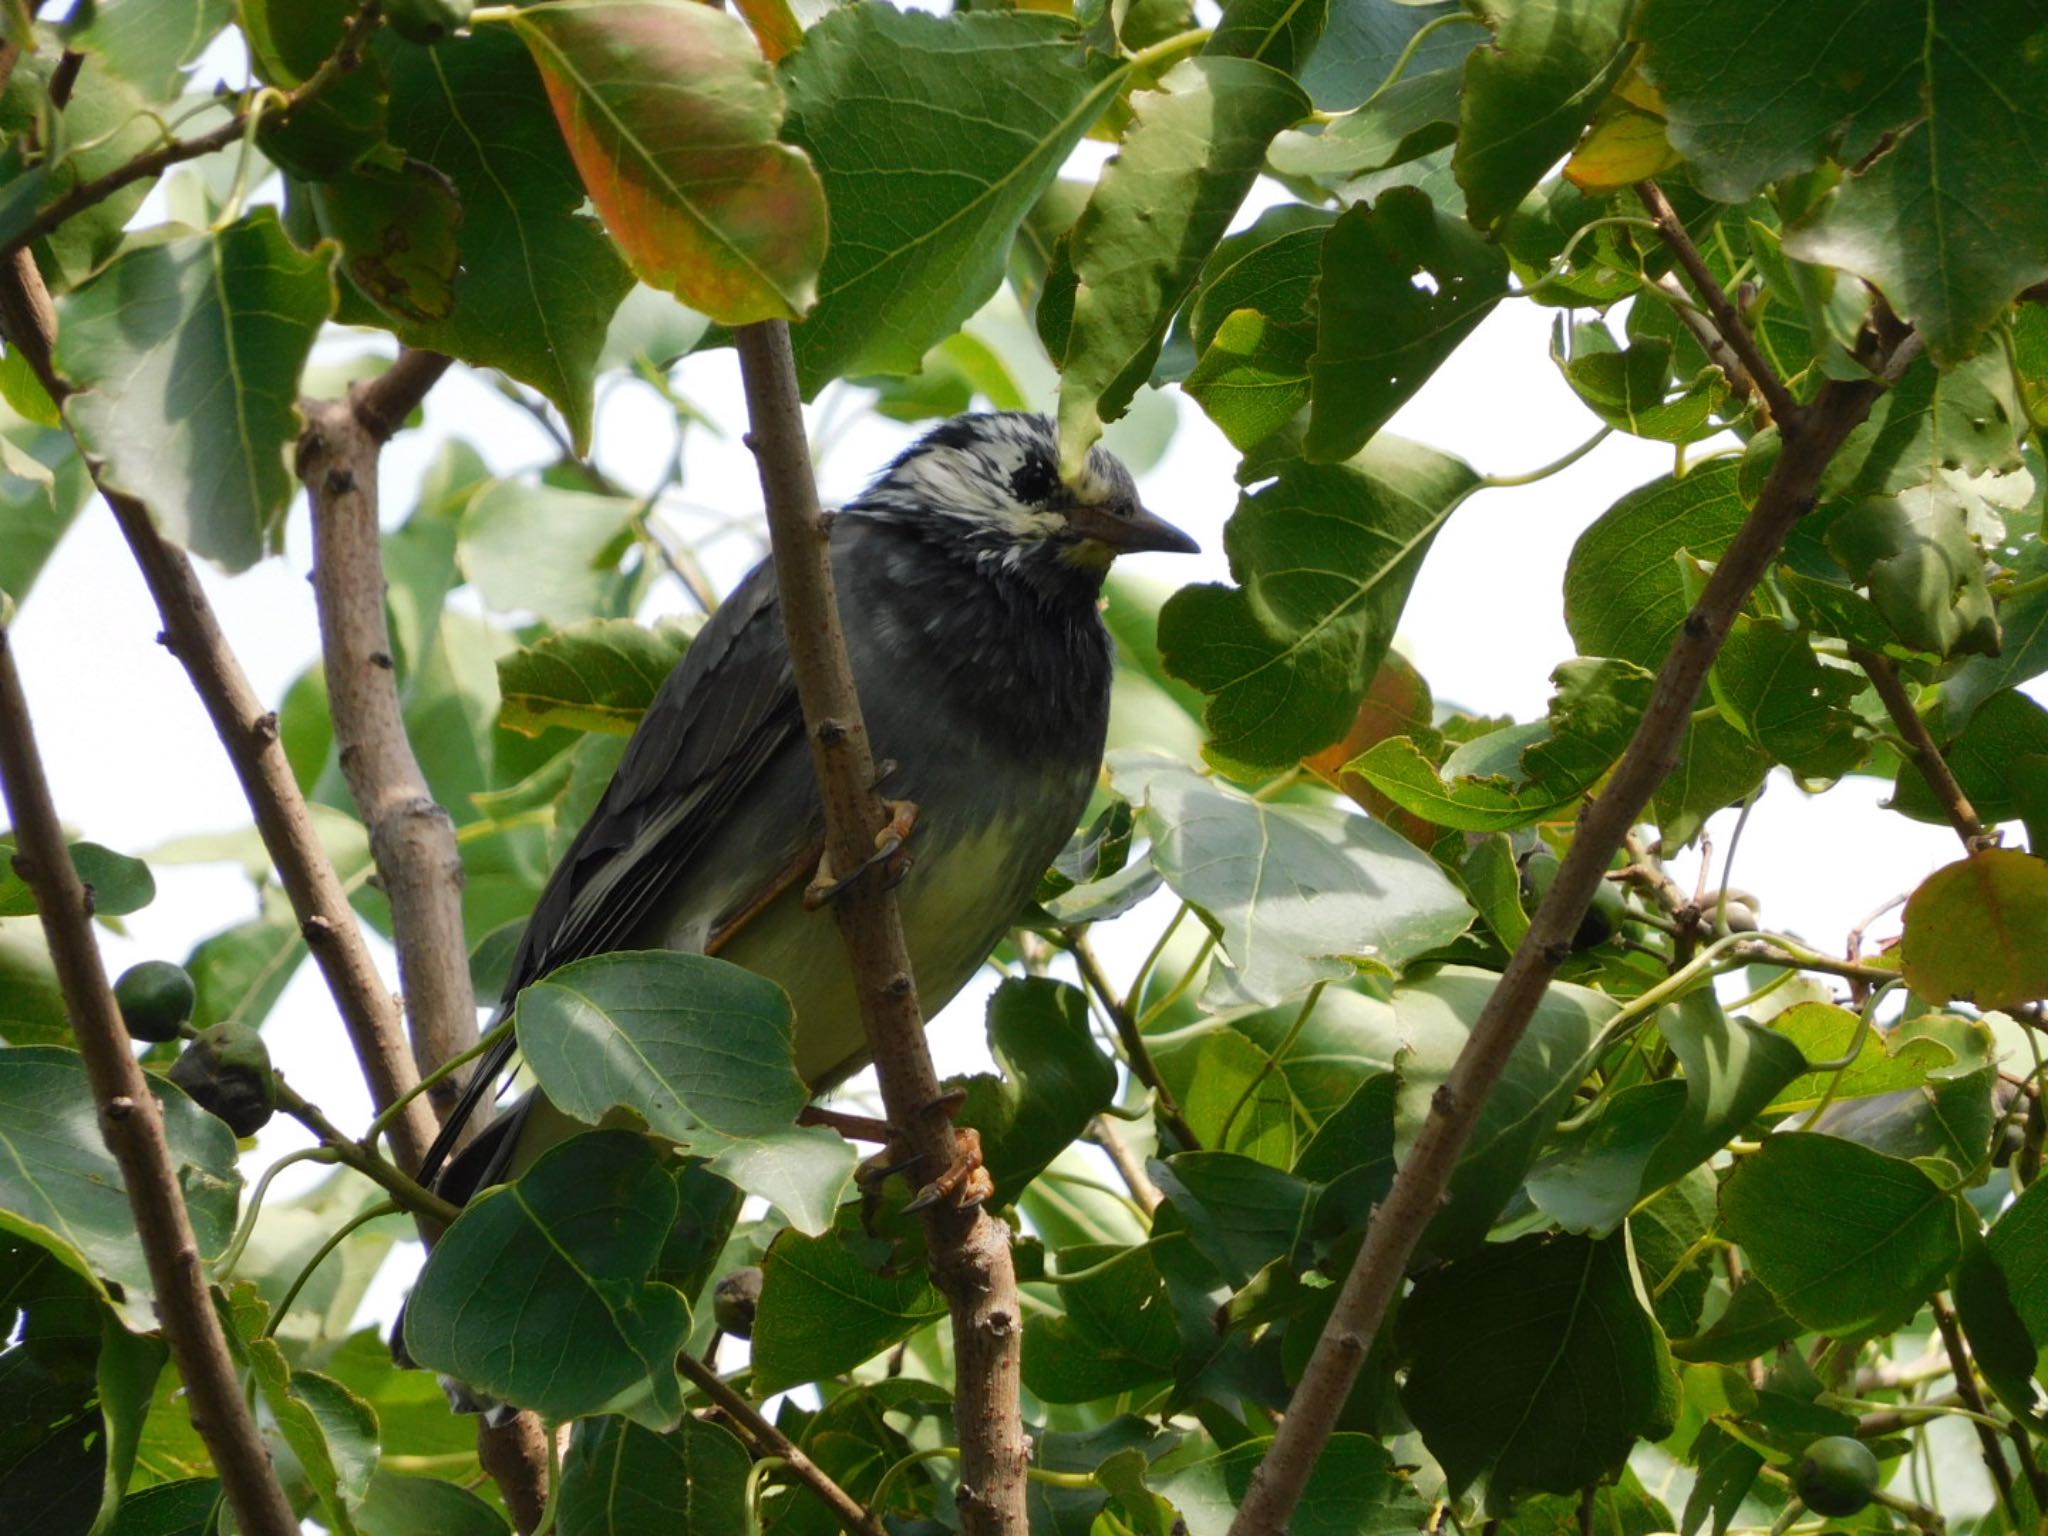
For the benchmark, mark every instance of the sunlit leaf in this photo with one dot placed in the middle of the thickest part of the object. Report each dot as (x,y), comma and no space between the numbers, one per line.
(1978,929)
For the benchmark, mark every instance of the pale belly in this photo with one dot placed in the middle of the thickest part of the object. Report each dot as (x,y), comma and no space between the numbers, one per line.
(958,899)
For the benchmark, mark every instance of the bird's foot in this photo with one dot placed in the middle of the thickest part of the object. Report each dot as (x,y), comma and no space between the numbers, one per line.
(891,855)
(964,1181)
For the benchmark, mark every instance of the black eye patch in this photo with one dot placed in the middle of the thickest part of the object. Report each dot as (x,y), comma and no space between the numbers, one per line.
(1035,481)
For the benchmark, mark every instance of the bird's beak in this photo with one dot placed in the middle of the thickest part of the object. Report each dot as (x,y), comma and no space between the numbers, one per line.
(1141,530)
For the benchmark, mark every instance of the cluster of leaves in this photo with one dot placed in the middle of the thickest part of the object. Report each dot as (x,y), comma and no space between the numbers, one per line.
(1680,1231)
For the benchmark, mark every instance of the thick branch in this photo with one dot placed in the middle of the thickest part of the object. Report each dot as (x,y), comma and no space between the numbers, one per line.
(970,1251)
(1727,319)
(131,1121)
(412,838)
(769,1441)
(1920,745)
(1397,1225)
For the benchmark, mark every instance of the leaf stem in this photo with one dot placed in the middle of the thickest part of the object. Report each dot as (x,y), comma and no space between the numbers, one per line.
(1544,472)
(335,1239)
(433,1079)
(1421,35)
(1167,50)
(414,1197)
(224,1266)
(1130,1032)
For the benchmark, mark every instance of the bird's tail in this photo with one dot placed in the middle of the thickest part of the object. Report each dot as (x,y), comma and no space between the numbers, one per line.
(485,1078)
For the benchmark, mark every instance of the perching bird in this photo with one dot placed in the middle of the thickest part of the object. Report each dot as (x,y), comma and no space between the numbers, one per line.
(969,581)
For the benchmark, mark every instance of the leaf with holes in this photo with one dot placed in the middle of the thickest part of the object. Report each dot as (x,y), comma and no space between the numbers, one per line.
(671,114)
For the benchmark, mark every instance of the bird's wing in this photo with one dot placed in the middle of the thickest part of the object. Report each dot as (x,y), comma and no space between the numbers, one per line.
(725,712)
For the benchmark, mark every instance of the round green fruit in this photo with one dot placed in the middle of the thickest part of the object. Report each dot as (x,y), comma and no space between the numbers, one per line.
(1603,918)
(1836,1476)
(226,1070)
(155,997)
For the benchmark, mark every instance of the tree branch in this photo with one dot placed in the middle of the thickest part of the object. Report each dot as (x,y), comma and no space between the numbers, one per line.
(1727,319)
(131,1121)
(970,1250)
(1973,1399)
(1136,1052)
(412,837)
(1811,440)
(1920,745)
(770,1441)
(249,733)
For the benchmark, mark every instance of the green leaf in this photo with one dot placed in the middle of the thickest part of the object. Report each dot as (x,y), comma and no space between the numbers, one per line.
(1751,1324)
(1996,760)
(934,137)
(61,1188)
(1352,1491)
(1832,79)
(1282,33)
(670,112)
(1254,378)
(1576,1368)
(1435,1017)
(1978,929)
(1883,1063)
(1197,145)
(1354,893)
(1324,557)
(288,42)
(105,124)
(539,1294)
(1592,1174)
(2022,650)
(1402,286)
(1412,117)
(1962,420)
(400,236)
(700,1050)
(1529,91)
(1115,1334)
(539,280)
(620,1479)
(31,1000)
(186,355)
(149,42)
(36,505)
(595,676)
(115,884)
(1733,1069)
(329,1431)
(1624,594)
(1847,1239)
(1510,778)
(1915,553)
(1717,766)
(2004,1351)
(403,1504)
(1055,1080)
(1771,686)
(1676,1273)
(531,546)
(823,1311)
(1943,222)
(2019,1242)
(1630,388)
(242,970)
(1362,43)
(1240,1215)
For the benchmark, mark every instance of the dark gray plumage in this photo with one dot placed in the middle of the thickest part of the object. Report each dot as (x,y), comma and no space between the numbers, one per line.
(969,576)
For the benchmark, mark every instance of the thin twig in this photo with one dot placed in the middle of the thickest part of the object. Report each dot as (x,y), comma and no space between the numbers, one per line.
(1719,353)
(131,1121)
(969,1250)
(1811,441)
(154,162)
(1973,1399)
(1727,319)
(412,837)
(1128,1168)
(404,1190)
(770,1441)
(1920,745)
(1164,1106)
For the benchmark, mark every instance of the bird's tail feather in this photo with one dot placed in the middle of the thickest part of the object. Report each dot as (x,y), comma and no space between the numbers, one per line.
(484,1079)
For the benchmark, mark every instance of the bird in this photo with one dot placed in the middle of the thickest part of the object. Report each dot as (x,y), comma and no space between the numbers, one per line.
(969,575)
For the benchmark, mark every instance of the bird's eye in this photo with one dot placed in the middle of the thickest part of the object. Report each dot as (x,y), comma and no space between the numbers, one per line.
(1035,482)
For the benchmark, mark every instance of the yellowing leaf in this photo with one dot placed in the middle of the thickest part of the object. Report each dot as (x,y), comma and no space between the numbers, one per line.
(1978,929)
(670,113)
(1619,152)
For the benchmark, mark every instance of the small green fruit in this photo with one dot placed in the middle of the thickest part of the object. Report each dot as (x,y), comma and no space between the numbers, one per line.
(1603,918)
(734,1302)
(1836,1476)
(155,997)
(427,21)
(226,1070)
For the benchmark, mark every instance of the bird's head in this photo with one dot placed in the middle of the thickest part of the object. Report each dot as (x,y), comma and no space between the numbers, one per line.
(988,486)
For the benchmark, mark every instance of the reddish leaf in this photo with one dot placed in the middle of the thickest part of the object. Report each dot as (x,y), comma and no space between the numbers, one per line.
(671,113)
(1397,704)
(1978,929)
(775,24)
